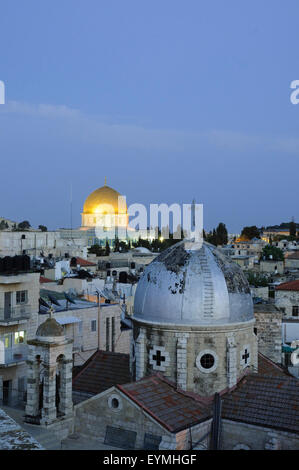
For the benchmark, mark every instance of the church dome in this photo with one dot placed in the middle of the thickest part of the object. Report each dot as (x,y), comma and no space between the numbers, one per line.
(49,329)
(103,200)
(196,287)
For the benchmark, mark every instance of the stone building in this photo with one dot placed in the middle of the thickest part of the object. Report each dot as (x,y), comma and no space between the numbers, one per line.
(287,298)
(112,338)
(19,293)
(291,260)
(271,266)
(194,348)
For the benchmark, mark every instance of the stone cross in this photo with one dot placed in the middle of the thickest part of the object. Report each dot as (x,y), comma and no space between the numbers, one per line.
(158,358)
(245,356)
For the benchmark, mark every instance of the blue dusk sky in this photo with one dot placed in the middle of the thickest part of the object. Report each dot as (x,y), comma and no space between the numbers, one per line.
(171,100)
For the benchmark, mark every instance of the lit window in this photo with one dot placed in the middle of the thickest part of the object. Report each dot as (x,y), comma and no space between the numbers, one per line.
(20,337)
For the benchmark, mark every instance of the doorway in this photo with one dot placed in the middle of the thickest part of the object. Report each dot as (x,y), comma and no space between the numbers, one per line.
(7,389)
(7,305)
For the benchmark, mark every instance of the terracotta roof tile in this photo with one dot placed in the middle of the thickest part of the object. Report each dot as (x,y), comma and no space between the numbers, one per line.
(103,370)
(291,285)
(171,407)
(84,262)
(268,367)
(43,280)
(264,401)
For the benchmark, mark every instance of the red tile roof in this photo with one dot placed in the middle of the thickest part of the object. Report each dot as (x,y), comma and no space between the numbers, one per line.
(84,262)
(268,367)
(171,407)
(43,280)
(267,401)
(291,285)
(101,371)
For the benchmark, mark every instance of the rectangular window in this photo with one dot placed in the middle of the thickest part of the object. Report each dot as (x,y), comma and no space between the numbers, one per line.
(107,333)
(7,340)
(295,310)
(93,325)
(21,296)
(112,333)
(20,337)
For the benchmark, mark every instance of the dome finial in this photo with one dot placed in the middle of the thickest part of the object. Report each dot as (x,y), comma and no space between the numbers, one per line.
(105,181)
(51,311)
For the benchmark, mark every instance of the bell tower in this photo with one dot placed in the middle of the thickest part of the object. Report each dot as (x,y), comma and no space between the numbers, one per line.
(49,384)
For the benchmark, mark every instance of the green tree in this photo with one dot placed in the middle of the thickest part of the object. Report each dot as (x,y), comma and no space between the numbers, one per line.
(256,279)
(292,228)
(3,225)
(43,228)
(271,252)
(250,232)
(107,249)
(97,250)
(116,245)
(221,234)
(25,225)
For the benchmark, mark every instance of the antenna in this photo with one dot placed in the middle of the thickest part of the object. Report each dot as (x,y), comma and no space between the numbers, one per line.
(71,209)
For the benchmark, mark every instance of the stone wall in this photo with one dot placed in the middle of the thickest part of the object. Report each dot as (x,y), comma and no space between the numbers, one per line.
(94,415)
(121,338)
(268,330)
(286,299)
(181,349)
(269,266)
(237,436)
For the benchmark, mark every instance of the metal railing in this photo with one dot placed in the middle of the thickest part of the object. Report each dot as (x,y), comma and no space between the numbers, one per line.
(18,312)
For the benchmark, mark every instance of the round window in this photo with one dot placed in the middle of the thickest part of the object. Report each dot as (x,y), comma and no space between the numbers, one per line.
(207,361)
(114,403)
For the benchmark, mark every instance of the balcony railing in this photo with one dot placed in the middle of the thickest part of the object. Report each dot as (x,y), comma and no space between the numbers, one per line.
(13,355)
(16,313)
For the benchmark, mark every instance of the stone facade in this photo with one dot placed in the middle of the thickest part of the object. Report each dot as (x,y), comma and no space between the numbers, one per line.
(17,325)
(32,242)
(94,415)
(111,336)
(85,333)
(242,436)
(286,300)
(186,346)
(270,266)
(50,360)
(268,329)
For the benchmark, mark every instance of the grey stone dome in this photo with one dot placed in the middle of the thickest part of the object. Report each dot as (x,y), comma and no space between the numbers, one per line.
(193,287)
(49,328)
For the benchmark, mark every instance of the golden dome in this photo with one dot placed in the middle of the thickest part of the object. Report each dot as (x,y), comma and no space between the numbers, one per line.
(103,200)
